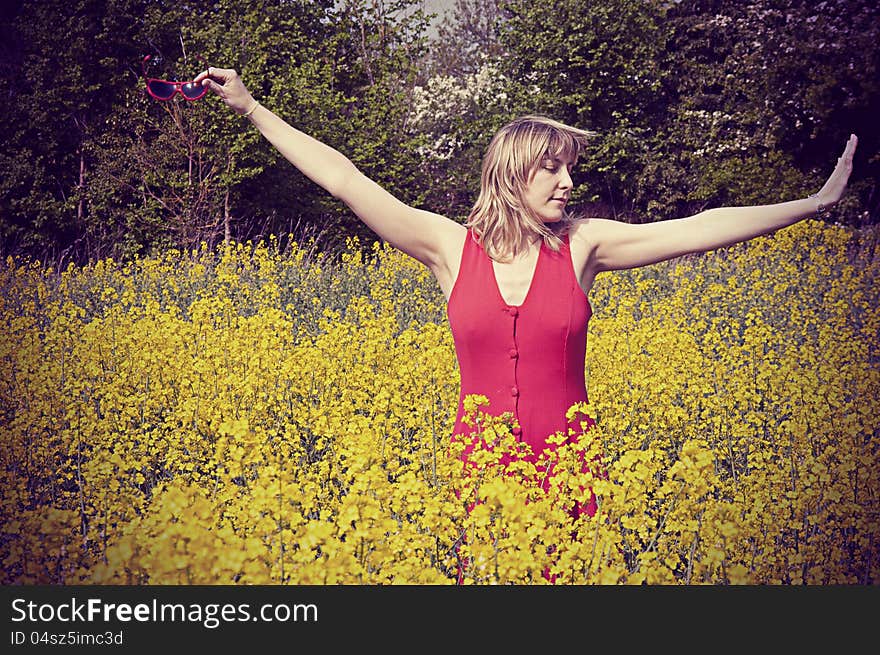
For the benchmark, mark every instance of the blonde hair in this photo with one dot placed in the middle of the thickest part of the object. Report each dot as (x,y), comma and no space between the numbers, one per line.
(501,220)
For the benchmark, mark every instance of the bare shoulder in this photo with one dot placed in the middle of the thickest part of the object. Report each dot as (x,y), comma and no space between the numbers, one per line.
(592,237)
(585,235)
(449,239)
(424,236)
(591,231)
(584,238)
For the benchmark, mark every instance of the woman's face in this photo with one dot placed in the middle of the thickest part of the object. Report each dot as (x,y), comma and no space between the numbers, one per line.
(549,189)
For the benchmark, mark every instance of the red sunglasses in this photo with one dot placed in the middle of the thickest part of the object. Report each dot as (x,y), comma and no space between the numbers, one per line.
(165,90)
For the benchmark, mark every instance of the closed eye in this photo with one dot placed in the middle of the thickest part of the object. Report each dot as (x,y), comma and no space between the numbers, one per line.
(553,165)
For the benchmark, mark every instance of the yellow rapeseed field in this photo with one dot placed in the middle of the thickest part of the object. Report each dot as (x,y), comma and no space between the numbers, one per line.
(250,416)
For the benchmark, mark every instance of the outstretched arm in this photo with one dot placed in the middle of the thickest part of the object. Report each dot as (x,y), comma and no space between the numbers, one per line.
(622,245)
(416,232)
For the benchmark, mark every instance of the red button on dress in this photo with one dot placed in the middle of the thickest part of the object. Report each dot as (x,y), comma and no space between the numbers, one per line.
(513,353)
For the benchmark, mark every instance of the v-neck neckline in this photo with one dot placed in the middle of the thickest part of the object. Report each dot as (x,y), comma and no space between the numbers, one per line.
(531,282)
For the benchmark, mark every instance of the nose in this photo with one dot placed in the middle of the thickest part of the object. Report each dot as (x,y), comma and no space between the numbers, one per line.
(565,178)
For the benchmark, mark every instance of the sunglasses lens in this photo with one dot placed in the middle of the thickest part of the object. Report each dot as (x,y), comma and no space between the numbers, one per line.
(161,90)
(193,91)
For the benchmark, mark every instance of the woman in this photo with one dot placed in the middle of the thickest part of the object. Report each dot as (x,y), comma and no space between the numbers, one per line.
(517,276)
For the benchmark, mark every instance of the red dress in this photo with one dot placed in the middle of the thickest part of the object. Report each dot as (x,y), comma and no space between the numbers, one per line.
(527,359)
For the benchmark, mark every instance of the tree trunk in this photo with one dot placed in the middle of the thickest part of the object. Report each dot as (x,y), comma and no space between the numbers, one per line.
(81,203)
(227,233)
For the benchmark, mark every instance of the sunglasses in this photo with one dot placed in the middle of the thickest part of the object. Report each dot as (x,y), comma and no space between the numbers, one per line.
(165,89)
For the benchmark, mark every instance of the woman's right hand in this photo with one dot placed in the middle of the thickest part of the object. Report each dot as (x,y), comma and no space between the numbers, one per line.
(227,84)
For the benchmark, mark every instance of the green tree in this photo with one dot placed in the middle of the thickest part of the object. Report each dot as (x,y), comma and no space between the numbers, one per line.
(599,66)
(467,39)
(766,96)
(456,117)
(58,96)
(379,62)
(94,166)
(703,103)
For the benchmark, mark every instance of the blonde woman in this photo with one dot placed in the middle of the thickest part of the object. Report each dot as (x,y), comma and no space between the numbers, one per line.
(518,274)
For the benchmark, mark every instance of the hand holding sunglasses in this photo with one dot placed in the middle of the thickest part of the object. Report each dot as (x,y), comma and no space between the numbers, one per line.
(227,84)
(166,89)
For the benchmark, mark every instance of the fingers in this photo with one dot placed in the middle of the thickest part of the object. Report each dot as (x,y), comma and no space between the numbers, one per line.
(219,80)
(849,151)
(212,85)
(850,148)
(222,75)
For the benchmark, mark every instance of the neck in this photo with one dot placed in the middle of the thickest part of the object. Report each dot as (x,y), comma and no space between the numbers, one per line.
(527,244)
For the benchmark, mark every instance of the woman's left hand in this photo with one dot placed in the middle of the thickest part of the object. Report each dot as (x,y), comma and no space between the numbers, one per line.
(834,187)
